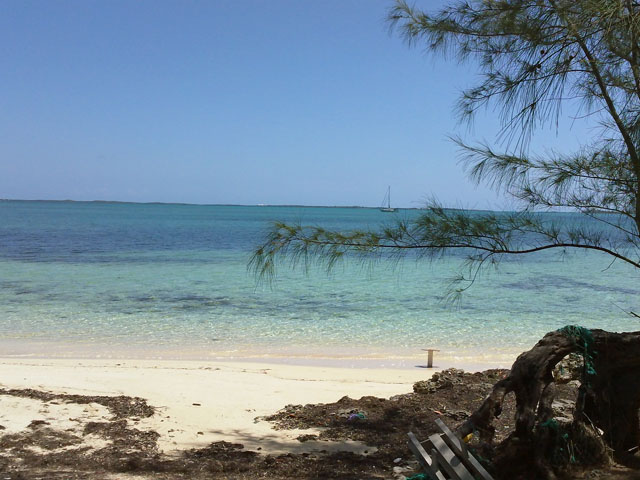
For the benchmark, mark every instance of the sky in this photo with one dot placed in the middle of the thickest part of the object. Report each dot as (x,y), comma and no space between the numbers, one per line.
(231,102)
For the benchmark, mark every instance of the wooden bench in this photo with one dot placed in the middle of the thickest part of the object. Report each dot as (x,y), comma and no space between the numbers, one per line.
(448,457)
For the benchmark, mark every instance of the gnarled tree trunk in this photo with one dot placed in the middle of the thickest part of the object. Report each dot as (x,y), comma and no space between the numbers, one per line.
(608,398)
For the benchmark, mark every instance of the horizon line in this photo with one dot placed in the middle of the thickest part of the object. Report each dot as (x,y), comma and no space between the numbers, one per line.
(202,204)
(252,205)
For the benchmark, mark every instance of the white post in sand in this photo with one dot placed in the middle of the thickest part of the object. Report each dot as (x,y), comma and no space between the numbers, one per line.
(430,356)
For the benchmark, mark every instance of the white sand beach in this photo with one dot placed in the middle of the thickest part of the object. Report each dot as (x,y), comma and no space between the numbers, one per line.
(197,402)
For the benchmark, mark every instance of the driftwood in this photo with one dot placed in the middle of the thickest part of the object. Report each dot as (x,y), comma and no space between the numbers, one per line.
(448,456)
(608,398)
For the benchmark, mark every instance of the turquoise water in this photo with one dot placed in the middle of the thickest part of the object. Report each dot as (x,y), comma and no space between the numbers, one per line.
(171,281)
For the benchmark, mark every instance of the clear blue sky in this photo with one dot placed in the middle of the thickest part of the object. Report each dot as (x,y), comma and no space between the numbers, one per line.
(234,101)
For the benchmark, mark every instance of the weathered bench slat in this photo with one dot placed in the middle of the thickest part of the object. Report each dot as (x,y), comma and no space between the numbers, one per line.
(461,450)
(449,461)
(423,457)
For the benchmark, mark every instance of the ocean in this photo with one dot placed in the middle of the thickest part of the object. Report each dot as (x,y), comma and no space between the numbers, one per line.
(100,280)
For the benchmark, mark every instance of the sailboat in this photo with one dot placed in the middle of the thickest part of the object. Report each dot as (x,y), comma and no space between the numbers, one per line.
(386,203)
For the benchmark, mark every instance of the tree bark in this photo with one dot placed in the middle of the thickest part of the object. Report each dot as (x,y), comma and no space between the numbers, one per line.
(608,398)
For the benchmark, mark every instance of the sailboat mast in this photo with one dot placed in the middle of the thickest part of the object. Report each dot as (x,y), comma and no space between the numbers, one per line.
(387,200)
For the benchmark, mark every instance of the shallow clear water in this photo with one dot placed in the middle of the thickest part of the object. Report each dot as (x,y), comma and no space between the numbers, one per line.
(171,280)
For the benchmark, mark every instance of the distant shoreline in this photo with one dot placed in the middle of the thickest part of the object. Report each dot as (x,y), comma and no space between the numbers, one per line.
(120,202)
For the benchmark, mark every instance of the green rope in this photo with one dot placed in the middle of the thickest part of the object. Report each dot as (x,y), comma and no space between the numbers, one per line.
(563,448)
(551,423)
(584,341)
(583,338)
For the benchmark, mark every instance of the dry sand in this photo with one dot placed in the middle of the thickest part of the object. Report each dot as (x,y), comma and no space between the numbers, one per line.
(197,402)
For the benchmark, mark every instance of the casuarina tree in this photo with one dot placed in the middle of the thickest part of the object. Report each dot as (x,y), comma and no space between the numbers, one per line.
(536,59)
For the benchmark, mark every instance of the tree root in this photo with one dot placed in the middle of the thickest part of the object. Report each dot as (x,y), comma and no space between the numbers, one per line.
(608,398)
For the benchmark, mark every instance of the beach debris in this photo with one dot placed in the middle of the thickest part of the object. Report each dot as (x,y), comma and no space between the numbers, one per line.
(120,406)
(398,472)
(37,423)
(440,380)
(418,476)
(568,369)
(123,437)
(356,416)
(307,437)
(196,404)
(458,414)
(563,410)
(41,437)
(454,414)
(126,447)
(445,454)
